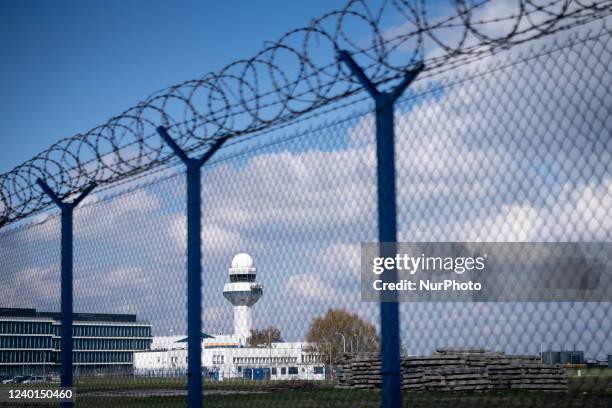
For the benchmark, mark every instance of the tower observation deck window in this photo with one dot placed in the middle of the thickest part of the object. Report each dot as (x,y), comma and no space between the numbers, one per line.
(247,277)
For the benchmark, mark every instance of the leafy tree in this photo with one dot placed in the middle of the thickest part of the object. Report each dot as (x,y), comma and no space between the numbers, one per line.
(326,333)
(264,336)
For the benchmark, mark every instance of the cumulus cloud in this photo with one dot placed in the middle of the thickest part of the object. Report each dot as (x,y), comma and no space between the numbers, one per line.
(215,319)
(213,236)
(309,287)
(32,287)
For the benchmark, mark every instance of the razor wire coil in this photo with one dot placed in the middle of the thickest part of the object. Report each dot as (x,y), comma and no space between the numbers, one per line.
(283,82)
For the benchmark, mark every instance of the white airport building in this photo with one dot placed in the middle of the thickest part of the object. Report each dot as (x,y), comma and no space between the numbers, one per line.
(230,356)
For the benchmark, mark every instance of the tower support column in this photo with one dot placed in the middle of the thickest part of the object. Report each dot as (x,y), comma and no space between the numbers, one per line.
(243,322)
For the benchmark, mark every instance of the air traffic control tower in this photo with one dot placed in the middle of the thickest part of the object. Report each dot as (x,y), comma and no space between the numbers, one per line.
(243,292)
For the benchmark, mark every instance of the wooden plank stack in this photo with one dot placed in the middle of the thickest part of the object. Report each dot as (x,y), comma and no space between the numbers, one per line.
(455,370)
(358,370)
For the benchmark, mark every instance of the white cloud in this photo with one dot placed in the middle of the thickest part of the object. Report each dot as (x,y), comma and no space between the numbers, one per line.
(214,238)
(32,287)
(309,287)
(215,318)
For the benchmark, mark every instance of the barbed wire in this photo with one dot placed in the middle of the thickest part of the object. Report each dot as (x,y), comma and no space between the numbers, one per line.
(295,75)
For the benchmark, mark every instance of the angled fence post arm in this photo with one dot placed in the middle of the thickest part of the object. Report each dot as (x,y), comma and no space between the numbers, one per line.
(345,57)
(194,265)
(170,142)
(409,77)
(387,223)
(213,149)
(47,190)
(84,194)
(66,341)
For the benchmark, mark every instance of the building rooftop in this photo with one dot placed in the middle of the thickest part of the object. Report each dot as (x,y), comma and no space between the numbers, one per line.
(202,337)
(83,317)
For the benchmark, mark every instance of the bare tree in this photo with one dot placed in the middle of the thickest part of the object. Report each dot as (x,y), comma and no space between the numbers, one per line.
(264,336)
(337,326)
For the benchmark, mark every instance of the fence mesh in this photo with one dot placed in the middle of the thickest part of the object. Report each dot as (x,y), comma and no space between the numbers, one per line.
(515,147)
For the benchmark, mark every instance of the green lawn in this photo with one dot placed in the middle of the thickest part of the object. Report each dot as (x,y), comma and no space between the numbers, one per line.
(590,389)
(356,399)
(591,372)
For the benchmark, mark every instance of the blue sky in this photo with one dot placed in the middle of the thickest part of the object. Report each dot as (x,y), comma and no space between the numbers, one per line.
(68,66)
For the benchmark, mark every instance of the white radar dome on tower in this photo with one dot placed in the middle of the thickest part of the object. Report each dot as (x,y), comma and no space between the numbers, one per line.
(242,260)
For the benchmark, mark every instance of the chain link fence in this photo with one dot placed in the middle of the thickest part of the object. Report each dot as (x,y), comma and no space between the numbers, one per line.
(514,147)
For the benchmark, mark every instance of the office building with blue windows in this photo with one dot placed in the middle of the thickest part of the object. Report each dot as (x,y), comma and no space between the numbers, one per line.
(103,343)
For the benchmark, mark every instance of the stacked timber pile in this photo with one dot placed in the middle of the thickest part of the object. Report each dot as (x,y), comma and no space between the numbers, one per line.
(358,370)
(455,370)
(443,371)
(541,377)
(446,379)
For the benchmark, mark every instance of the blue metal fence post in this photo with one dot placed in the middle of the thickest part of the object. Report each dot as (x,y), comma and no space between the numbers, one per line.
(194,285)
(66,345)
(66,299)
(387,222)
(194,265)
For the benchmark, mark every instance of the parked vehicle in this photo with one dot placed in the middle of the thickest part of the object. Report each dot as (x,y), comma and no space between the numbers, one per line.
(33,380)
(13,380)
